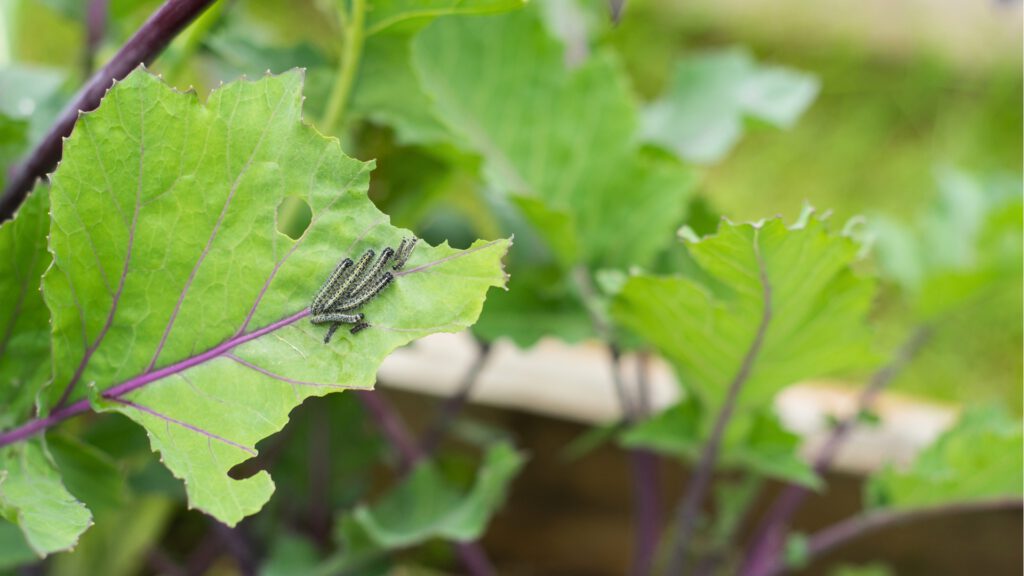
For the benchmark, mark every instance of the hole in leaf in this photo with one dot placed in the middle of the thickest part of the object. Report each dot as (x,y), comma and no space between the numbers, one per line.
(293,217)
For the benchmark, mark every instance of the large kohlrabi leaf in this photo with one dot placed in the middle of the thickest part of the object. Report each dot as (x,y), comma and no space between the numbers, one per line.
(705,323)
(176,301)
(701,116)
(564,142)
(979,458)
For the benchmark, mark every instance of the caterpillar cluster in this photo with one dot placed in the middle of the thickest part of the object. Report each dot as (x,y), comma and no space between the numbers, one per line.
(353,284)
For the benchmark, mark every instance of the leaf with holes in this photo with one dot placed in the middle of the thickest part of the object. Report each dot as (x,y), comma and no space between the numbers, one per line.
(705,323)
(175,299)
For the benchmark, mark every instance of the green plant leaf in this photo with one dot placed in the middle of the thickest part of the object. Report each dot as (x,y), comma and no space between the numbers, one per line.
(425,506)
(758,444)
(701,116)
(962,246)
(24,319)
(13,139)
(33,497)
(568,143)
(177,302)
(705,322)
(979,458)
(388,92)
(384,14)
(119,543)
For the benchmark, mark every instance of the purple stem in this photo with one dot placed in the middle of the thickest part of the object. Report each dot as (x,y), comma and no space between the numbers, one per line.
(453,405)
(391,425)
(689,508)
(643,466)
(149,40)
(96,28)
(33,427)
(768,536)
(853,528)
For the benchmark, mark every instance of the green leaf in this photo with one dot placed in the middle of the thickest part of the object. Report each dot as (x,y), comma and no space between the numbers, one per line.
(979,458)
(797,553)
(701,116)
(14,550)
(425,506)
(89,473)
(705,322)
(119,543)
(13,140)
(384,14)
(33,497)
(568,143)
(291,555)
(963,245)
(758,443)
(177,302)
(388,92)
(24,320)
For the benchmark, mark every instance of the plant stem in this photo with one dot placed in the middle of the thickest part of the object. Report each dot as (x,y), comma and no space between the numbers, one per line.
(96,26)
(643,465)
(149,40)
(391,425)
(454,404)
(351,54)
(768,536)
(689,508)
(851,529)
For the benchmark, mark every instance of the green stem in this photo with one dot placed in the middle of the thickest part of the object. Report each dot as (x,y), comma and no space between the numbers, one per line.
(354,37)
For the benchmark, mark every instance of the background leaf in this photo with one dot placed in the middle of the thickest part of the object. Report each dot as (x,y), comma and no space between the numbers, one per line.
(704,322)
(425,506)
(980,457)
(701,116)
(33,497)
(569,142)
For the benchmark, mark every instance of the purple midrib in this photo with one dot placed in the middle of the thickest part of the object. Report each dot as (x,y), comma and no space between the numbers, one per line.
(35,426)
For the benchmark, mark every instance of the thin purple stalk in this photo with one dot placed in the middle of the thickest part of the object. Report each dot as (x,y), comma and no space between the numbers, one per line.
(149,40)
(36,426)
(768,536)
(690,506)
(96,29)
(848,530)
(391,425)
(453,405)
(643,466)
